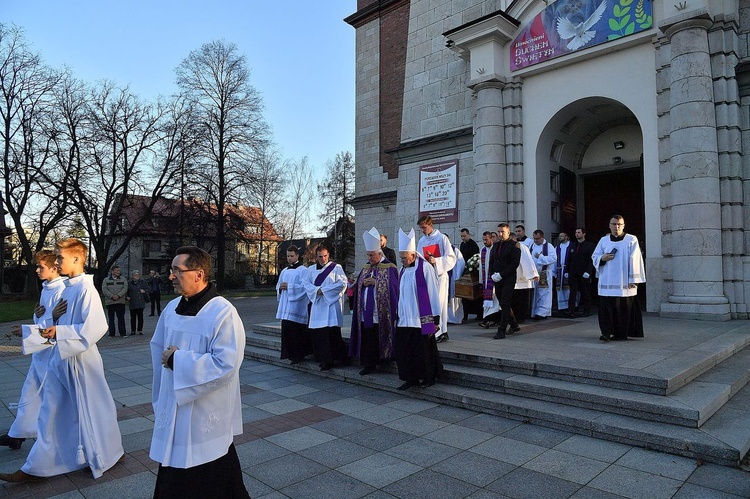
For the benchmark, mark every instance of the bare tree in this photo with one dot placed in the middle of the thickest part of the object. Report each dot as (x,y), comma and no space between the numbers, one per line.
(266,192)
(298,199)
(336,192)
(26,88)
(217,80)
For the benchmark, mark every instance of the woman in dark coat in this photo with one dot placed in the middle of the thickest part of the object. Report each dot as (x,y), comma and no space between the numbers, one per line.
(137,293)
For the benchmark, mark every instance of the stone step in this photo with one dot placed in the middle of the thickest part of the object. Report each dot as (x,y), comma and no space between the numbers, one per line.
(263,340)
(723,439)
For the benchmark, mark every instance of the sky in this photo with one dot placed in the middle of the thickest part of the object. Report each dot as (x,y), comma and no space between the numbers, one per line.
(300,53)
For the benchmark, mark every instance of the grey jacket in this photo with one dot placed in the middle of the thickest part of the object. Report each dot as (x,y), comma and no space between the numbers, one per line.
(114,287)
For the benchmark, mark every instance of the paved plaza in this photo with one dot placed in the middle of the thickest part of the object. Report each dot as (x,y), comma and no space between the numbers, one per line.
(312,436)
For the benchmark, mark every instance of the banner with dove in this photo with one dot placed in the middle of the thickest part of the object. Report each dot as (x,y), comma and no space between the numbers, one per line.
(570,25)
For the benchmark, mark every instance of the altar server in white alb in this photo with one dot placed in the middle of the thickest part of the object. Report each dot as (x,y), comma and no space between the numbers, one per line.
(562,272)
(437,250)
(456,305)
(325,285)
(545,258)
(292,309)
(619,266)
(27,417)
(417,355)
(77,418)
(490,304)
(196,354)
(526,276)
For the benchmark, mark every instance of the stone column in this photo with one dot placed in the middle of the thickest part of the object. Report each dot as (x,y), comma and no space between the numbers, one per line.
(490,190)
(692,225)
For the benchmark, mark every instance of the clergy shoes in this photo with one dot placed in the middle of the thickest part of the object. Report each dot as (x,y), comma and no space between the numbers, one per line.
(326,367)
(20,477)
(514,329)
(604,338)
(366,371)
(500,335)
(427,382)
(13,443)
(406,385)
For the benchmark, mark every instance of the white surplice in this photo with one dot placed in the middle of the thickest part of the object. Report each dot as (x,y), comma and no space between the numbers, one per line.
(25,424)
(542,303)
(197,406)
(563,294)
(526,272)
(292,301)
(490,306)
(456,305)
(77,406)
(326,310)
(408,302)
(445,262)
(616,275)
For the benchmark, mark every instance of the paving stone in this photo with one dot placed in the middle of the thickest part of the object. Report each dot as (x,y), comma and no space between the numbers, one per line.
(319,397)
(336,453)
(137,441)
(427,483)
(379,414)
(692,491)
(635,484)
(251,414)
(448,413)
(489,423)
(348,405)
(258,398)
(600,450)
(508,450)
(730,480)
(411,405)
(569,467)
(658,463)
(342,426)
(592,493)
(285,470)
(258,451)
(416,425)
(381,398)
(523,483)
(328,485)
(487,494)
(255,487)
(422,452)
(300,438)
(283,406)
(458,436)
(379,438)
(140,485)
(379,470)
(473,468)
(538,435)
(294,390)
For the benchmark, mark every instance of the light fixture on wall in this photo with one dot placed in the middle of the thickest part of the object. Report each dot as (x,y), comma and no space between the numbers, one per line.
(619,144)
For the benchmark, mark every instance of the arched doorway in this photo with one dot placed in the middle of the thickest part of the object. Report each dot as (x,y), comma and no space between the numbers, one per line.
(592,152)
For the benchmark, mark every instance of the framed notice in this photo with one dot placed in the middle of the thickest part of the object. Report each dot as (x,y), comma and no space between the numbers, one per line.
(438,191)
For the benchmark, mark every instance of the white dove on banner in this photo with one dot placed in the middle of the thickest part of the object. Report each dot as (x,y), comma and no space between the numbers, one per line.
(581,33)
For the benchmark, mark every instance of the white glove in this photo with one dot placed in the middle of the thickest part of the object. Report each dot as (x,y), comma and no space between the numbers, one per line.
(496,277)
(565,275)
(586,275)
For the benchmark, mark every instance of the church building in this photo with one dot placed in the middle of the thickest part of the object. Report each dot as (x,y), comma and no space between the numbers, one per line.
(559,114)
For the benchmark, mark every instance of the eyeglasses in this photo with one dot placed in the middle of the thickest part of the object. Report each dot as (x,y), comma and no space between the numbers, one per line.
(179,272)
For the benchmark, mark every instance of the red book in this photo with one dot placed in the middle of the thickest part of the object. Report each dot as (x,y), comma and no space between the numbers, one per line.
(431,250)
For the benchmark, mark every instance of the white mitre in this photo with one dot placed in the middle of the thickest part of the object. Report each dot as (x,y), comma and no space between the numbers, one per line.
(406,242)
(372,240)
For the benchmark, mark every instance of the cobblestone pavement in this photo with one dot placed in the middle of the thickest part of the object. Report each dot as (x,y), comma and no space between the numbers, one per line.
(307,436)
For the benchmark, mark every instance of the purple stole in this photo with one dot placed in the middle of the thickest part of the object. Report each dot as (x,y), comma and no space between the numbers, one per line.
(326,270)
(487,284)
(369,305)
(561,279)
(426,318)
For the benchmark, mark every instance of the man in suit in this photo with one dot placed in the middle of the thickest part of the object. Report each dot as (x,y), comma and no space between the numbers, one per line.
(504,261)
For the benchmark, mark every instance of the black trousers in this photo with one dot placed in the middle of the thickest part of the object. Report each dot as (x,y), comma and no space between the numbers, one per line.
(521,303)
(155,301)
(219,478)
(295,340)
(504,292)
(369,345)
(136,319)
(328,346)
(620,317)
(417,355)
(118,310)
(581,285)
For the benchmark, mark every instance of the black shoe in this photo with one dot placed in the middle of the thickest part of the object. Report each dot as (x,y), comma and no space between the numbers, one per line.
(406,385)
(366,371)
(514,329)
(295,361)
(132,334)
(12,442)
(150,315)
(500,335)
(485,324)
(538,318)
(427,382)
(326,367)
(112,335)
(604,338)
(443,337)
(140,333)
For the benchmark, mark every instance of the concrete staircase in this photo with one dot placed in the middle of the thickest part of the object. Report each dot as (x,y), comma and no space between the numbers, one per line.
(695,404)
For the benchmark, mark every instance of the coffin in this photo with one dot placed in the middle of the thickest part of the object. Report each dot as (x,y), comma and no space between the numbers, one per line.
(469,287)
